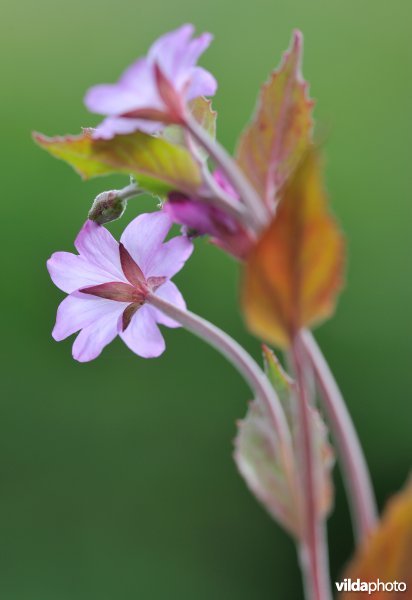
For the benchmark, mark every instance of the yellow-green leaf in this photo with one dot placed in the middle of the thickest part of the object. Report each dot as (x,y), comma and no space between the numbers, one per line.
(294,272)
(158,165)
(387,554)
(279,135)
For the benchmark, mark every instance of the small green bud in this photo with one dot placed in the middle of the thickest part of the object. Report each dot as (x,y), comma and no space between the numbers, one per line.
(107,206)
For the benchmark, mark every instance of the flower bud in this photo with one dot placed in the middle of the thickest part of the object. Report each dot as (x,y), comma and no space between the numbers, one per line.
(107,206)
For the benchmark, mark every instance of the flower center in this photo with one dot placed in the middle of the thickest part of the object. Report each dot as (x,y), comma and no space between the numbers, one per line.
(135,292)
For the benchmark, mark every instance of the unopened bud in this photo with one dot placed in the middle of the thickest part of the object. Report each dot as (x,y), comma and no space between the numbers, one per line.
(107,206)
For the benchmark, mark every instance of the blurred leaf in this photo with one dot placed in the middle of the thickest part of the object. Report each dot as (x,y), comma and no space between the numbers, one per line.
(293,274)
(257,458)
(201,109)
(257,453)
(285,389)
(277,376)
(387,553)
(158,165)
(276,140)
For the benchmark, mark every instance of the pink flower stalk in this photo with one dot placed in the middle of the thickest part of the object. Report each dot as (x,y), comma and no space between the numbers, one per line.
(206,219)
(156,87)
(108,284)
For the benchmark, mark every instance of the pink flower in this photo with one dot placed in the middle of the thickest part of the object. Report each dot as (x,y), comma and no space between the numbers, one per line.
(206,219)
(154,87)
(108,284)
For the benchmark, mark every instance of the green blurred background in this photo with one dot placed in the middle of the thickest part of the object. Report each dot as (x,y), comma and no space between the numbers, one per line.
(117,480)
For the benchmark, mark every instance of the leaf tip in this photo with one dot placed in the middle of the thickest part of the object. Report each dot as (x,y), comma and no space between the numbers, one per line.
(297,40)
(39,138)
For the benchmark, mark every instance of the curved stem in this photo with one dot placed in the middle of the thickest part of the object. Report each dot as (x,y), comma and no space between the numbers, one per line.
(313,553)
(219,198)
(214,194)
(246,366)
(258,213)
(129,191)
(356,473)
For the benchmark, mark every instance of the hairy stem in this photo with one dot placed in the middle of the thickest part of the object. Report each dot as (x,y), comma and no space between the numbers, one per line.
(129,191)
(257,211)
(356,474)
(246,366)
(313,552)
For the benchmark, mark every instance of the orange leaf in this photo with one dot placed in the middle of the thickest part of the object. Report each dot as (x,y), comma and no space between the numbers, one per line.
(387,554)
(294,272)
(276,140)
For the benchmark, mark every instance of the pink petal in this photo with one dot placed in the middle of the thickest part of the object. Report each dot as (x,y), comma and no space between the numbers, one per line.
(112,126)
(169,292)
(170,257)
(176,55)
(195,48)
(202,83)
(97,245)
(111,99)
(138,77)
(170,49)
(80,310)
(71,272)
(93,338)
(191,213)
(143,237)
(142,335)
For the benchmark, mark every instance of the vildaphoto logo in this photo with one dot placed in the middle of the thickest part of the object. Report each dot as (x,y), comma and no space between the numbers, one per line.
(356,585)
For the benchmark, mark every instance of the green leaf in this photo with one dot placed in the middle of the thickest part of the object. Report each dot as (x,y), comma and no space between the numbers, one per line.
(277,376)
(274,143)
(257,453)
(158,165)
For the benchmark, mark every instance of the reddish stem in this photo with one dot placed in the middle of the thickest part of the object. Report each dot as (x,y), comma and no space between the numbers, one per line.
(356,473)
(313,552)
(247,367)
(257,212)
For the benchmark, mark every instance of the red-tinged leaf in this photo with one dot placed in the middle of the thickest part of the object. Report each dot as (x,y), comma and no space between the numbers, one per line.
(387,554)
(158,165)
(293,274)
(279,135)
(257,454)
